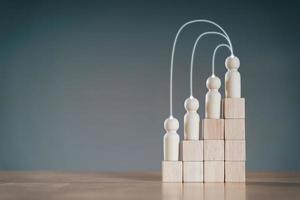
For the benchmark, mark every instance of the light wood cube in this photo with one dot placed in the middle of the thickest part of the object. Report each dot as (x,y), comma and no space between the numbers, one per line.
(191,150)
(235,150)
(234,129)
(234,108)
(192,171)
(213,129)
(213,150)
(235,171)
(171,171)
(213,171)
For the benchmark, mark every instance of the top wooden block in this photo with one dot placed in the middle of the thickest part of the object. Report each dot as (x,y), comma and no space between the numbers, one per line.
(234,108)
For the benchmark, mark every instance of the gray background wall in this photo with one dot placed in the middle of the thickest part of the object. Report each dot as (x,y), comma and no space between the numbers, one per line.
(84,84)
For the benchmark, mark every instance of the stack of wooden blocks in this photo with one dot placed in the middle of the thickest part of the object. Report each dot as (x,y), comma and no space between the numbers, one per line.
(191,155)
(213,135)
(218,153)
(235,144)
(220,156)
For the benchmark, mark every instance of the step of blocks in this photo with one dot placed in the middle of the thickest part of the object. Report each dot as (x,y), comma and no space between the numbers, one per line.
(235,150)
(234,129)
(192,171)
(191,150)
(213,129)
(171,171)
(234,108)
(213,171)
(235,171)
(213,150)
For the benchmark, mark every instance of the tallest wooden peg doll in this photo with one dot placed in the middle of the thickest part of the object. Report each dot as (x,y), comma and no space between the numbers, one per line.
(232,78)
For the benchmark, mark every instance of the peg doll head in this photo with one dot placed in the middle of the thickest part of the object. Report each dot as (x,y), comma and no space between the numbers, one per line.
(232,63)
(213,83)
(191,104)
(171,124)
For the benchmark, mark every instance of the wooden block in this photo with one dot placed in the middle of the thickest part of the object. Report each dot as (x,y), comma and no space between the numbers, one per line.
(213,171)
(191,150)
(234,129)
(235,171)
(192,171)
(213,129)
(234,108)
(235,150)
(171,171)
(213,150)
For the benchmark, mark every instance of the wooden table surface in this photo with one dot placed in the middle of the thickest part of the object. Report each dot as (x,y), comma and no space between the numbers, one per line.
(45,185)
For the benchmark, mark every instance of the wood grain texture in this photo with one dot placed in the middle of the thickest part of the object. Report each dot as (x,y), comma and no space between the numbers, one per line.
(235,150)
(213,129)
(171,171)
(213,150)
(48,185)
(214,171)
(192,171)
(191,150)
(235,171)
(234,108)
(235,129)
